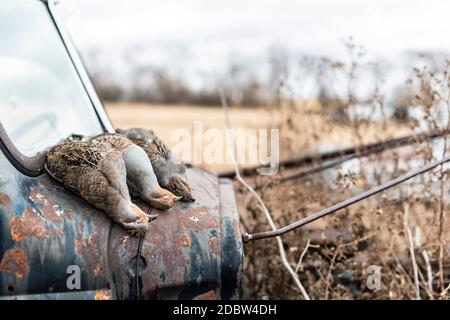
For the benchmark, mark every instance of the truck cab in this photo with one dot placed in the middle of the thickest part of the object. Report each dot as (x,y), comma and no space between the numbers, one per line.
(49,235)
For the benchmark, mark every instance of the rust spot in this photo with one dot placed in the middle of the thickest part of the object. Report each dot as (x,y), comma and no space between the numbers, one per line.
(69,214)
(124,238)
(52,212)
(156,239)
(4,199)
(186,241)
(214,246)
(103,295)
(202,212)
(88,248)
(15,260)
(198,219)
(97,270)
(50,209)
(210,295)
(30,224)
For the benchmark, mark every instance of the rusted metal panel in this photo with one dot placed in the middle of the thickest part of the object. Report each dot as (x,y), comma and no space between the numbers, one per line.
(231,244)
(15,261)
(44,229)
(122,252)
(180,256)
(77,295)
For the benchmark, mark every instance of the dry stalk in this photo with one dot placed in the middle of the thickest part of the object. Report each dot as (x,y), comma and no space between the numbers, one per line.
(445,293)
(424,285)
(300,260)
(426,258)
(261,203)
(330,269)
(411,249)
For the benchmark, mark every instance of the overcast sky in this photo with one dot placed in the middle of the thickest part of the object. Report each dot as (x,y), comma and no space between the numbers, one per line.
(186,33)
(383,26)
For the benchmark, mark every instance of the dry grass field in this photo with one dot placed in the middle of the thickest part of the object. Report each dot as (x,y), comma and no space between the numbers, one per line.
(314,133)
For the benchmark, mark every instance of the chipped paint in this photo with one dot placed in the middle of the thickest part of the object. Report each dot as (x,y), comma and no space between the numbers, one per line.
(30,224)
(215,246)
(124,239)
(4,199)
(186,241)
(49,208)
(89,250)
(210,295)
(103,295)
(16,261)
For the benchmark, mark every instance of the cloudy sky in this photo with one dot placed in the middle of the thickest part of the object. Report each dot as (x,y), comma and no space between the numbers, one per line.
(188,32)
(383,26)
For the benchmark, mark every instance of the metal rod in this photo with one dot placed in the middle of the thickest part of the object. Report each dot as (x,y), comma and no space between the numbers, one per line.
(246,237)
(311,158)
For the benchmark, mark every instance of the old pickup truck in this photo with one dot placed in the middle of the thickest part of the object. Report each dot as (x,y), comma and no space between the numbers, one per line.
(47,233)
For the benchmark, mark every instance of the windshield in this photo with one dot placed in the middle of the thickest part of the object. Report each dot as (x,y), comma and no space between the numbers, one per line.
(42,100)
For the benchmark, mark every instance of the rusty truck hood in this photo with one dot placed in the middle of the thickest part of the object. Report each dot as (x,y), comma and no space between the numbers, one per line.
(193,250)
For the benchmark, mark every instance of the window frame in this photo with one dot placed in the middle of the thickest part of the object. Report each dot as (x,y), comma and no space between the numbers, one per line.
(34,166)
